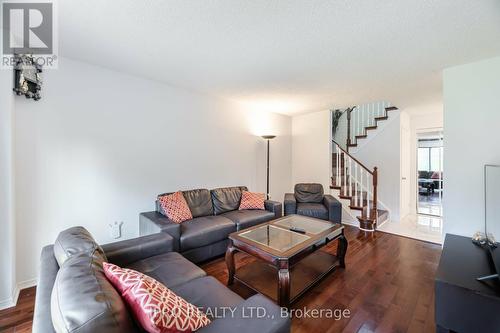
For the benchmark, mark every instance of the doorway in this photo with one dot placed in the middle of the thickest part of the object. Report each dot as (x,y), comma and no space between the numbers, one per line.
(430,173)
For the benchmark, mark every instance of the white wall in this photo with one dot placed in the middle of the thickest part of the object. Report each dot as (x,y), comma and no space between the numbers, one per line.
(471,139)
(383,151)
(311,162)
(101,144)
(7,230)
(405,167)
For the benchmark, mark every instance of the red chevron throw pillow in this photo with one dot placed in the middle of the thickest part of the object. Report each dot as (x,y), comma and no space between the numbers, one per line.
(250,200)
(155,307)
(176,207)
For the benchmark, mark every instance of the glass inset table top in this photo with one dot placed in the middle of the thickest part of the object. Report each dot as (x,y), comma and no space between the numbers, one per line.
(274,237)
(311,226)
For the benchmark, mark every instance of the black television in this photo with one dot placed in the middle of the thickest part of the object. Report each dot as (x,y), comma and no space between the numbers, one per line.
(492,218)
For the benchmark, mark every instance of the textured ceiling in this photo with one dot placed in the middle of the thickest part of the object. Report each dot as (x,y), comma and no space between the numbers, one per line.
(285,56)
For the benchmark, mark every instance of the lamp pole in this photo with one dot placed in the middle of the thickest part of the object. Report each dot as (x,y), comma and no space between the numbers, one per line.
(268,138)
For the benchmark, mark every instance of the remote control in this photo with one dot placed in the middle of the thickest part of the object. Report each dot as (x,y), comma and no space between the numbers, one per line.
(299,230)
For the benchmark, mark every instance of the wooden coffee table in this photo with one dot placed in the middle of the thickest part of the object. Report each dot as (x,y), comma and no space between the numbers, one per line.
(289,262)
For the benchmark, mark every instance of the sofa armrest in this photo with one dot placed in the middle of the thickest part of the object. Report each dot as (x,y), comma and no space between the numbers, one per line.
(128,251)
(290,204)
(248,317)
(42,319)
(274,207)
(334,208)
(154,222)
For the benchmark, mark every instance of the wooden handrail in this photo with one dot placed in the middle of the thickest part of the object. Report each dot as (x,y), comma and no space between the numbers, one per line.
(354,158)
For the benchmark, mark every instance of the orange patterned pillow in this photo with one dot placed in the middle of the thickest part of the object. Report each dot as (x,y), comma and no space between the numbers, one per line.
(250,200)
(175,207)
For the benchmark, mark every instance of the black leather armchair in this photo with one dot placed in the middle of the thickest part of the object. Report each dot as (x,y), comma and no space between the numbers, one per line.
(310,200)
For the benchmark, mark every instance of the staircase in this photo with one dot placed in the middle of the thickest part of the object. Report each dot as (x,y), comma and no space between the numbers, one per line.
(352,182)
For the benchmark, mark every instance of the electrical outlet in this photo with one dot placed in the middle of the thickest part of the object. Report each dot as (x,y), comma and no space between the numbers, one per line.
(115,229)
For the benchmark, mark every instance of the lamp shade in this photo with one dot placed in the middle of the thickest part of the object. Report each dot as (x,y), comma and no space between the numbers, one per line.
(268,137)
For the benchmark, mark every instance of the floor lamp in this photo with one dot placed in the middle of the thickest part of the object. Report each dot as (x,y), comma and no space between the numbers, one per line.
(268,138)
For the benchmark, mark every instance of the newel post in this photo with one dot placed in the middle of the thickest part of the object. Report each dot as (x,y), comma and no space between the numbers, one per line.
(375,182)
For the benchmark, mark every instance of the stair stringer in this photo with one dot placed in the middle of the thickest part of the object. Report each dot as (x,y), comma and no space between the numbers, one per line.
(353,213)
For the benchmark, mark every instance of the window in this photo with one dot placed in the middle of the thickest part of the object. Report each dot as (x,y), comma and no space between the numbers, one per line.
(430,159)
(435,159)
(423,159)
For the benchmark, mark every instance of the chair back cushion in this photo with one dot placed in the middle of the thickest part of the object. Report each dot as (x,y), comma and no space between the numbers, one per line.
(226,199)
(83,300)
(73,241)
(309,192)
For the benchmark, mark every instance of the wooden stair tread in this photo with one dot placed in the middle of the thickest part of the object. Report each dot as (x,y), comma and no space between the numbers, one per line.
(358,200)
(380,214)
(372,127)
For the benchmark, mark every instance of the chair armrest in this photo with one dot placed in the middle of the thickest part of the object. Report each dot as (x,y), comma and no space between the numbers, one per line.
(128,251)
(245,318)
(334,208)
(290,204)
(154,222)
(274,207)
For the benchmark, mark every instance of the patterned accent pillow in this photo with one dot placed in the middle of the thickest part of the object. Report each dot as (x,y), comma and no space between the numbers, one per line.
(176,207)
(250,200)
(155,307)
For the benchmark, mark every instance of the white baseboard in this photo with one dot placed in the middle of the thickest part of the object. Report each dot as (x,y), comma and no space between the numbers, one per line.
(12,300)
(26,284)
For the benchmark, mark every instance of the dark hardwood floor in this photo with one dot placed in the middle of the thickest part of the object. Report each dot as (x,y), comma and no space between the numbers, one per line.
(388,286)
(20,317)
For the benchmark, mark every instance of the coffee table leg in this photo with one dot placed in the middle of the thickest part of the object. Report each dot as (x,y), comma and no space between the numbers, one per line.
(230,263)
(342,250)
(284,284)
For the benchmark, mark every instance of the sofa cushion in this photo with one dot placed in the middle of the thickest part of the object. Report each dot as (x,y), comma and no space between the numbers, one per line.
(171,269)
(175,207)
(226,199)
(204,231)
(313,210)
(155,307)
(74,241)
(199,201)
(248,218)
(214,295)
(83,300)
(312,193)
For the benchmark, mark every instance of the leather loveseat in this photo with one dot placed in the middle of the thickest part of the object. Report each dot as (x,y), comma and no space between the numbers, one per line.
(215,216)
(73,294)
(309,199)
